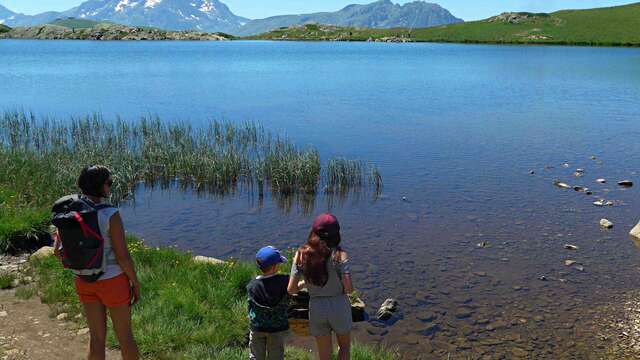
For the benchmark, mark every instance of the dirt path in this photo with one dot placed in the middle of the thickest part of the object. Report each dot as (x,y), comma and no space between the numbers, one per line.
(27,332)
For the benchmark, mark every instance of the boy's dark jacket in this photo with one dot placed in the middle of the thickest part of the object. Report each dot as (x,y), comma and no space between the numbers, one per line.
(269,303)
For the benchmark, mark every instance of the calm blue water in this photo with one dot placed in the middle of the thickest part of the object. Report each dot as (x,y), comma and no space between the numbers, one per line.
(454,128)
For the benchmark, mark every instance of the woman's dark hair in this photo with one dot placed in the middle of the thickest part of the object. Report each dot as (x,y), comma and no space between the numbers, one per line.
(314,256)
(92,179)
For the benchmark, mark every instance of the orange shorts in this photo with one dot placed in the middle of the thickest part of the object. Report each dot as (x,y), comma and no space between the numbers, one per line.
(112,293)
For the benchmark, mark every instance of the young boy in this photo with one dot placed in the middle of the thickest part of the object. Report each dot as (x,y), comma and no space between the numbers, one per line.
(268,306)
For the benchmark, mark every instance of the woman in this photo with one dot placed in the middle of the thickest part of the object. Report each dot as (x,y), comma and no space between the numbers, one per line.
(324,267)
(118,287)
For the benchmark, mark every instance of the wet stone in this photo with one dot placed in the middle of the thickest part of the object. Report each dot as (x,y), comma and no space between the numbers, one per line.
(463,313)
(427,316)
(430,329)
(497,325)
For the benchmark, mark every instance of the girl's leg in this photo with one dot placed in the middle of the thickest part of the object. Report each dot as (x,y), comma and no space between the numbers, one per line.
(97,319)
(344,345)
(325,347)
(121,319)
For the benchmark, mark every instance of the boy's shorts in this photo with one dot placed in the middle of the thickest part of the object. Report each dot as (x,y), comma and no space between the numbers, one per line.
(112,293)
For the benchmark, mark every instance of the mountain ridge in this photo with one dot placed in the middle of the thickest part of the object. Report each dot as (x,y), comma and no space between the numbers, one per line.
(379,14)
(215,16)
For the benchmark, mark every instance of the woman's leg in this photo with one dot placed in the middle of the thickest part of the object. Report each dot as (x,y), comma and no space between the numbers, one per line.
(121,319)
(325,347)
(97,320)
(344,345)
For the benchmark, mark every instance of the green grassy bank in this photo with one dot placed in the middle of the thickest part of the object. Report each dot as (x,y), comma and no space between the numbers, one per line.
(612,26)
(4,28)
(188,310)
(41,158)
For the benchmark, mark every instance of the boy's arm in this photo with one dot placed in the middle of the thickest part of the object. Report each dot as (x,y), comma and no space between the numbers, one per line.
(294,278)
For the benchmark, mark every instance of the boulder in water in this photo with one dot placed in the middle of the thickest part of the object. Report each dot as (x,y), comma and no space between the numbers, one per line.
(606,224)
(387,309)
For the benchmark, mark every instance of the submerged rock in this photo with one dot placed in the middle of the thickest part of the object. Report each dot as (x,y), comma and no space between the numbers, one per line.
(561,185)
(625,183)
(599,202)
(601,181)
(569,262)
(580,188)
(606,224)
(571,247)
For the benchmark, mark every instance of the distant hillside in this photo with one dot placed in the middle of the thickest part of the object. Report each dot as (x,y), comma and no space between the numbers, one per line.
(73,23)
(617,26)
(4,28)
(380,14)
(104,31)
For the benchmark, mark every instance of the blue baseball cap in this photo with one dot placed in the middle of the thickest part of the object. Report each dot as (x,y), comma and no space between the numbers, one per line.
(268,256)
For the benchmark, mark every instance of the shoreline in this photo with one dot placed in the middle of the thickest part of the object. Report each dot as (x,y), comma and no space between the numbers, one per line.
(176,299)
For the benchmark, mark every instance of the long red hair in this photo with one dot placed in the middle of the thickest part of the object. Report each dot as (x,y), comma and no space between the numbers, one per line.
(314,256)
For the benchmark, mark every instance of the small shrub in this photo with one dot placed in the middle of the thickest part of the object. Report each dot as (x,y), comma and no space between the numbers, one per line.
(6,280)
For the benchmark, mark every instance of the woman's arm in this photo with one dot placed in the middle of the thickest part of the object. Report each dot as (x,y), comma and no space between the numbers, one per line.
(57,243)
(119,246)
(346,274)
(294,278)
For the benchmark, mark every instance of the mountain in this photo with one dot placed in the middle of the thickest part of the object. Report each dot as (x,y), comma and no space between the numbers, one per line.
(214,16)
(380,14)
(203,15)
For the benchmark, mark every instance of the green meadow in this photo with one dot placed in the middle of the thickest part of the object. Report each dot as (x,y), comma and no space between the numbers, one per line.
(612,26)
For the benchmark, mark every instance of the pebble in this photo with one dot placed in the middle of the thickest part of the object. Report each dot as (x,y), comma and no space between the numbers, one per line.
(84,331)
(625,183)
(599,202)
(480,273)
(561,184)
(601,181)
(569,262)
(62,316)
(3,313)
(531,172)
(606,224)
(571,247)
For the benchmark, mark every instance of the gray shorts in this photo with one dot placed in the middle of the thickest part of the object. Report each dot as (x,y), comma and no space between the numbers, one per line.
(327,314)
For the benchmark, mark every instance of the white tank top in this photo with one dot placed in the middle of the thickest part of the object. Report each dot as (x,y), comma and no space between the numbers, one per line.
(112,269)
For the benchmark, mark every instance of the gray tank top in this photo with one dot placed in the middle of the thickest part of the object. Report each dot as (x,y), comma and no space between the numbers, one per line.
(333,287)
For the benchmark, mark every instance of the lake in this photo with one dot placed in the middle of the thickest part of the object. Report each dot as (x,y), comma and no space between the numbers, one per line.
(470,243)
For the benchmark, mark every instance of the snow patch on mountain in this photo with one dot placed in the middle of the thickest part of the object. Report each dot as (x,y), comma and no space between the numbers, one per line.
(151,3)
(207,7)
(124,4)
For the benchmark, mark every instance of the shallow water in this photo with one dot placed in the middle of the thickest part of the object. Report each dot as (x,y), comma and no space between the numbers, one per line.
(454,128)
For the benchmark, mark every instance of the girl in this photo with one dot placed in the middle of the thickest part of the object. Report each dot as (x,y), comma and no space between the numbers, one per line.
(118,288)
(324,266)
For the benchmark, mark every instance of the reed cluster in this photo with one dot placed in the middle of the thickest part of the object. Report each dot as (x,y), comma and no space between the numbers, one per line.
(40,159)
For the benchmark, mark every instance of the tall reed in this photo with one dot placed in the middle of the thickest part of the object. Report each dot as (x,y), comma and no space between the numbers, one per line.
(42,156)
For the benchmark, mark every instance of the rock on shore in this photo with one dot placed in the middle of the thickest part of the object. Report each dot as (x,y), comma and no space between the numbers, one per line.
(635,233)
(106,31)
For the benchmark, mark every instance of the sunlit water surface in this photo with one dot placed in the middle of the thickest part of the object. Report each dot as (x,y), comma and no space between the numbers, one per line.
(455,130)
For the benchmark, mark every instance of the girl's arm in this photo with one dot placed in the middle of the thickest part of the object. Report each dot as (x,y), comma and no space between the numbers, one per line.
(294,278)
(346,274)
(57,243)
(119,246)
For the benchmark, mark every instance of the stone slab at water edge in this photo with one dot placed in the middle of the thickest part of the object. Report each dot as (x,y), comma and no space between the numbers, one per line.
(106,31)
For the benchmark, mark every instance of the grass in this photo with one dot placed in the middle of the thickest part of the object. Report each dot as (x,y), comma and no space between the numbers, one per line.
(6,280)
(187,310)
(4,28)
(41,158)
(612,26)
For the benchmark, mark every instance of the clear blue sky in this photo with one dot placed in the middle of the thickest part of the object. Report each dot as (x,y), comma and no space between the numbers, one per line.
(466,9)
